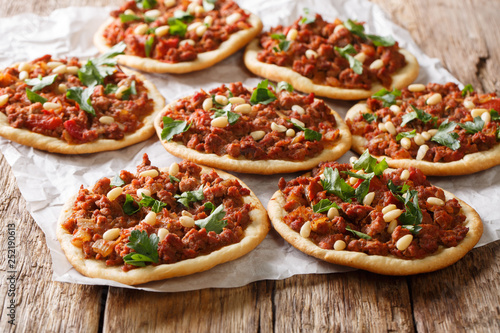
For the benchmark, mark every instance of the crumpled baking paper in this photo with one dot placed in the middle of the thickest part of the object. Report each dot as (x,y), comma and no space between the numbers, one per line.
(46,180)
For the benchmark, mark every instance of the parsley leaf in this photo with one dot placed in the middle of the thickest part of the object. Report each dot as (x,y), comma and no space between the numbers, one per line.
(278,36)
(146,248)
(368,164)
(173,179)
(306,19)
(283,85)
(324,206)
(156,205)
(401,135)
(416,114)
(124,18)
(232,117)
(148,45)
(358,233)
(346,52)
(190,196)
(309,134)
(183,16)
(446,137)
(129,207)
(214,222)
(117,181)
(95,70)
(334,184)
(177,27)
(34,97)
(110,88)
(387,97)
(146,4)
(210,206)
(262,95)
(494,115)
(468,89)
(209,5)
(381,41)
(370,117)
(473,127)
(173,127)
(411,218)
(82,97)
(129,91)
(359,30)
(40,82)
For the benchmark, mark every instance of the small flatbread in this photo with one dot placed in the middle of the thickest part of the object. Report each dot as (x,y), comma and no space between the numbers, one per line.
(402,78)
(387,265)
(255,232)
(204,60)
(264,167)
(56,145)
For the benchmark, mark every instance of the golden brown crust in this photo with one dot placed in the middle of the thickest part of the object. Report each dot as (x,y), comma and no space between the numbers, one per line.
(204,60)
(263,167)
(254,234)
(470,163)
(388,265)
(55,145)
(400,79)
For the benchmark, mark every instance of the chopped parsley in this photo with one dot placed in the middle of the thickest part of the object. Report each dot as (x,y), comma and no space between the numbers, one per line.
(307,19)
(309,134)
(359,30)
(209,206)
(129,206)
(40,82)
(370,117)
(225,111)
(333,183)
(283,85)
(177,27)
(34,97)
(215,221)
(82,97)
(472,127)
(401,135)
(116,181)
(358,233)
(173,179)
(173,127)
(411,218)
(146,248)
(346,52)
(494,115)
(387,97)
(262,95)
(417,114)
(124,18)
(146,4)
(446,137)
(156,205)
(369,164)
(468,89)
(148,45)
(190,196)
(324,205)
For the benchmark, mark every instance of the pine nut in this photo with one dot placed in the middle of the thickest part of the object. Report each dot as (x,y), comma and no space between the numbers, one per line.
(416,87)
(54,64)
(477,112)
(153,13)
(377,64)
(199,10)
(381,127)
(186,41)
(257,135)
(392,215)
(339,245)
(162,234)
(391,226)
(106,120)
(292,34)
(114,193)
(72,70)
(221,99)
(299,109)
(389,126)
(4,99)
(208,20)
(405,241)
(361,57)
(162,31)
(368,199)
(142,191)
(23,75)
(435,201)
(231,19)
(169,3)
(237,100)
(201,30)
(51,106)
(426,135)
(24,67)
(150,218)
(141,29)
(129,12)
(119,92)
(111,234)
(405,143)
(173,170)
(149,173)
(219,122)
(60,69)
(194,26)
(278,128)
(468,104)
(432,132)
(62,88)
(243,108)
(297,122)
(422,151)
(434,99)
(332,212)
(388,208)
(353,159)
(305,230)
(405,174)
(353,180)
(419,139)
(186,213)
(207,104)
(395,108)
(311,54)
(486,117)
(290,132)
(338,28)
(186,221)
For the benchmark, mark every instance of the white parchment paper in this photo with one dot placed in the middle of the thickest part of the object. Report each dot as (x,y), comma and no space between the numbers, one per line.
(47,180)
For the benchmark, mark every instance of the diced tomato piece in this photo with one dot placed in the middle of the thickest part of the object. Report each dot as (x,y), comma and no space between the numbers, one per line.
(492,104)
(47,122)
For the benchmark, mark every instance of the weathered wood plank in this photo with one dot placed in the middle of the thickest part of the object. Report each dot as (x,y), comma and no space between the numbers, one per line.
(40,303)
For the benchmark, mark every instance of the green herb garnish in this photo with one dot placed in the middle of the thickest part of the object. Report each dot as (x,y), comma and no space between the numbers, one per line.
(41,82)
(333,183)
(262,95)
(146,4)
(173,127)
(307,19)
(494,115)
(324,206)
(358,233)
(190,196)
(446,137)
(116,181)
(387,97)
(177,27)
(401,135)
(156,205)
(124,18)
(129,206)
(468,89)
(146,248)
(369,164)
(209,206)
(214,222)
(417,114)
(370,117)
(346,52)
(359,30)
(34,97)
(411,218)
(472,127)
(82,97)
(173,179)
(283,85)
(148,45)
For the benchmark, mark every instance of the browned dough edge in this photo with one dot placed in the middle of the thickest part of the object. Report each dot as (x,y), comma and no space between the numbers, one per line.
(254,234)
(400,79)
(263,167)
(469,164)
(387,265)
(204,60)
(55,145)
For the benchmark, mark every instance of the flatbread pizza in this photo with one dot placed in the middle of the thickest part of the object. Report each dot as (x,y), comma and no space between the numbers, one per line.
(336,60)
(438,128)
(177,36)
(391,221)
(263,131)
(71,107)
(160,223)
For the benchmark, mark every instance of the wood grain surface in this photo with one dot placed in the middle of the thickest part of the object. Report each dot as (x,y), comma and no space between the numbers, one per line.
(465,36)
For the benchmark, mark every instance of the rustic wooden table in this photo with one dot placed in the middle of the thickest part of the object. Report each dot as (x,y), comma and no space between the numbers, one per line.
(465,36)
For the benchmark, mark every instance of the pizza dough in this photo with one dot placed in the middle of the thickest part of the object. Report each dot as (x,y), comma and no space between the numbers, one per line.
(253,234)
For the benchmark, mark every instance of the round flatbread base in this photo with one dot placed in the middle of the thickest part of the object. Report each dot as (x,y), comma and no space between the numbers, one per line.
(254,234)
(469,164)
(56,145)
(204,60)
(387,265)
(400,79)
(262,167)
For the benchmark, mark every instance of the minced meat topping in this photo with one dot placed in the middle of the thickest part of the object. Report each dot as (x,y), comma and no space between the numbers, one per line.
(174,215)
